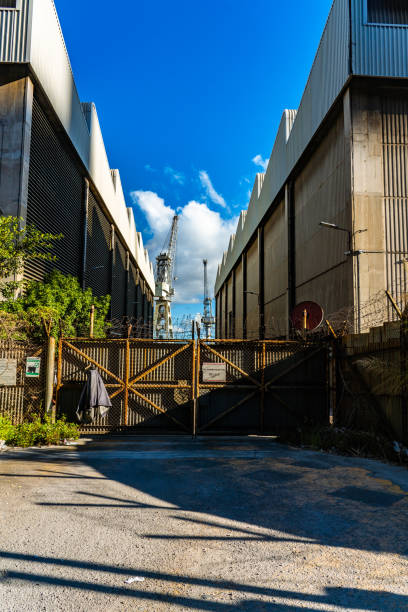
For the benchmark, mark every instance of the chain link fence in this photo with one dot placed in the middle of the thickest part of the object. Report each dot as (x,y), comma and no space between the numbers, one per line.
(22,380)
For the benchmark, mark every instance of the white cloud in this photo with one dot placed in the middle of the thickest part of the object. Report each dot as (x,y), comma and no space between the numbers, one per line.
(210,191)
(259,161)
(203,234)
(158,216)
(149,168)
(176,177)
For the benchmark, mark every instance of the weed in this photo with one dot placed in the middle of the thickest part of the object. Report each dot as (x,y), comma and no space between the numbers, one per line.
(37,433)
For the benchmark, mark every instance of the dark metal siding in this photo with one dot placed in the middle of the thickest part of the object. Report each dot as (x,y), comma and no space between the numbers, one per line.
(98,255)
(55,188)
(132,292)
(118,281)
(387,11)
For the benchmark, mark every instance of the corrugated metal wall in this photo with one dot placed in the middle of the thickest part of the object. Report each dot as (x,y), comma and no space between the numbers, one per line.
(321,195)
(329,74)
(252,285)
(131,309)
(54,198)
(395,156)
(387,11)
(239,288)
(118,281)
(13,33)
(276,272)
(98,256)
(378,50)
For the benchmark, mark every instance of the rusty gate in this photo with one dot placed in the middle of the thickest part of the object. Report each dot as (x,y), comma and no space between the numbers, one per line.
(215,386)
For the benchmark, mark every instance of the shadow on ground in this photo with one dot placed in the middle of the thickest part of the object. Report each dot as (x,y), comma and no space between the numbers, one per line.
(315,498)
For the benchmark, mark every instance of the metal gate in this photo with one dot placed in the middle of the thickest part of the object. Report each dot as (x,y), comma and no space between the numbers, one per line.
(149,382)
(216,386)
(269,386)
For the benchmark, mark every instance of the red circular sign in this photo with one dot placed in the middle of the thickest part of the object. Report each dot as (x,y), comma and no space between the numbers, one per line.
(307,316)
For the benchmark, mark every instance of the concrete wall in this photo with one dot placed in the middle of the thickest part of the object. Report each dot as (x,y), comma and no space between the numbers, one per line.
(380,198)
(323,272)
(15,128)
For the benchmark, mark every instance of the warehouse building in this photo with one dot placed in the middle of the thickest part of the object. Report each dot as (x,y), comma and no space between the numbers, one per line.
(54,170)
(340,159)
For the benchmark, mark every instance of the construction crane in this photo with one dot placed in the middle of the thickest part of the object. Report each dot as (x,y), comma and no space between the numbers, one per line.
(208,321)
(162,324)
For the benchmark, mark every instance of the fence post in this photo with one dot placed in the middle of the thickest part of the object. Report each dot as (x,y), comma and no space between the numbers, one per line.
(49,379)
(127,376)
(196,386)
(332,383)
(193,387)
(91,321)
(262,403)
(403,366)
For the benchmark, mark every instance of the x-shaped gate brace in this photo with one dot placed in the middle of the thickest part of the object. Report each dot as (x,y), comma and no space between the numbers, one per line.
(260,386)
(138,385)
(130,384)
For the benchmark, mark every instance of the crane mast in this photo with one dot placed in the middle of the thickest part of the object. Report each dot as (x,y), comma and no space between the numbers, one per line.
(162,324)
(208,320)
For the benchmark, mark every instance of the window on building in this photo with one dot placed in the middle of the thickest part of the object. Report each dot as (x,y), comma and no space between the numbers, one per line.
(387,11)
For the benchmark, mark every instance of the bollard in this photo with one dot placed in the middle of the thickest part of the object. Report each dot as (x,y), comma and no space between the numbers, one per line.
(49,379)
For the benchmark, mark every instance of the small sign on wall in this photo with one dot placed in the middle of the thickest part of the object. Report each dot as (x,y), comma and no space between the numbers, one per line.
(33,366)
(214,372)
(8,372)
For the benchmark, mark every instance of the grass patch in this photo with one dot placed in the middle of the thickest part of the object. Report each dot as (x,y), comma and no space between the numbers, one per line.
(39,432)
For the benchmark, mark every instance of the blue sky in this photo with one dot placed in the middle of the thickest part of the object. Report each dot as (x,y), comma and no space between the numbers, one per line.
(188,93)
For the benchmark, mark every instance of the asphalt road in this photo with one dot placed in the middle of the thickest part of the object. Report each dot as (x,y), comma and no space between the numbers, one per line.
(211,524)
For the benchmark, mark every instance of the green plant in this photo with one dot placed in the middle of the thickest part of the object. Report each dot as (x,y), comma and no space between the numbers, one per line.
(37,433)
(19,244)
(6,428)
(59,298)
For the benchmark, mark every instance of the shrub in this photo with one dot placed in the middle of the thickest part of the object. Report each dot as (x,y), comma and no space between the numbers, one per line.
(58,298)
(37,433)
(6,428)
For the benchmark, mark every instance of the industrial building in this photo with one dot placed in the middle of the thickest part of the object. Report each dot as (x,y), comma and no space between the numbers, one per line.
(340,159)
(54,170)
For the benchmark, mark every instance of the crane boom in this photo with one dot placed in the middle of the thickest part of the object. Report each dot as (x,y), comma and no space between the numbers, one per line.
(164,293)
(207,320)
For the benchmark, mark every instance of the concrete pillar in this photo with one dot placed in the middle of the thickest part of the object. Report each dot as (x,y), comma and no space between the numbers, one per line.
(16,102)
(369,272)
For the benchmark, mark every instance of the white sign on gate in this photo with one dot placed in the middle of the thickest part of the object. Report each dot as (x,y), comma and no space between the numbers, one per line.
(214,372)
(8,372)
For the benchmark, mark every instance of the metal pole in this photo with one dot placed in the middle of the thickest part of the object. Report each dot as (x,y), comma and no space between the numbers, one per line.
(358,294)
(194,390)
(91,321)
(49,379)
(262,403)
(127,376)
